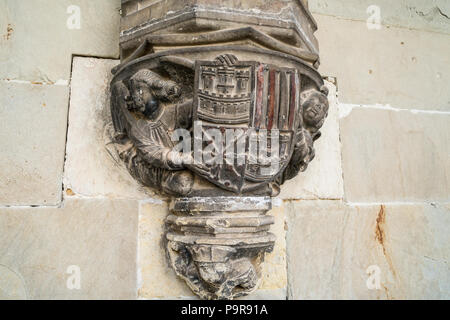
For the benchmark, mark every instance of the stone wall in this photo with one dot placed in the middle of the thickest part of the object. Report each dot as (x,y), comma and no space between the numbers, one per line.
(392,218)
(375,203)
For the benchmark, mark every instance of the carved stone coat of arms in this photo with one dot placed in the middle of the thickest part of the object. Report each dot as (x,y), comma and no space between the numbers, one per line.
(218,118)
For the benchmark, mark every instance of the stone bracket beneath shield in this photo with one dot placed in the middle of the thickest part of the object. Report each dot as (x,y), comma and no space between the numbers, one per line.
(217,244)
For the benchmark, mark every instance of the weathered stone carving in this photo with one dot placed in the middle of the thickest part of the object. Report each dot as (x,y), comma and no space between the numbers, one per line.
(240,88)
(217,244)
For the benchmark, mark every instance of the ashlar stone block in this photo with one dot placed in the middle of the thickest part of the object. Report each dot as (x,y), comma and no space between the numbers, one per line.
(430,15)
(336,251)
(38,38)
(43,249)
(93,169)
(395,156)
(387,66)
(32,143)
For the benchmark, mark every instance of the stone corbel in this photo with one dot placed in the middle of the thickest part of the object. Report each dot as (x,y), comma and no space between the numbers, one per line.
(198,71)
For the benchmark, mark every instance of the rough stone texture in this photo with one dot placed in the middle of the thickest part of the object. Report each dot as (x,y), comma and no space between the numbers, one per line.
(323,178)
(331,245)
(37,245)
(91,169)
(400,67)
(158,281)
(429,15)
(32,142)
(37,45)
(395,156)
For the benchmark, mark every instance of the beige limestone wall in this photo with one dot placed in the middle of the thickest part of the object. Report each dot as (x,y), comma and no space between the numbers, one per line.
(376,197)
(392,221)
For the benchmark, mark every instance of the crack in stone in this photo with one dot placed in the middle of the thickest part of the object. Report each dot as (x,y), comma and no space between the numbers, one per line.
(20,277)
(435,11)
(442,13)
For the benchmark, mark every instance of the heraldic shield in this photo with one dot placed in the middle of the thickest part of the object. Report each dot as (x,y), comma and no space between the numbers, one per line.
(254,108)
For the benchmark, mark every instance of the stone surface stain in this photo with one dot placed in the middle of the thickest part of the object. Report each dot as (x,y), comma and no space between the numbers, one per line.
(379,231)
(9,31)
(380,235)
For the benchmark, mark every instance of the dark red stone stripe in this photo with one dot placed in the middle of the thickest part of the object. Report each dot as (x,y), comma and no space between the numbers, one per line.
(293,100)
(271,110)
(259,96)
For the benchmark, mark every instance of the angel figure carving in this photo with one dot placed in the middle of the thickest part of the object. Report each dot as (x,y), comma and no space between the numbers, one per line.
(314,109)
(145,112)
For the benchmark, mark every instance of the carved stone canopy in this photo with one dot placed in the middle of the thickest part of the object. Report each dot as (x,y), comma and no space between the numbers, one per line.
(281,25)
(217,103)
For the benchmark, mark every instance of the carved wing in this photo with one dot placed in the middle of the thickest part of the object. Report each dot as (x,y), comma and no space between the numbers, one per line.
(119,96)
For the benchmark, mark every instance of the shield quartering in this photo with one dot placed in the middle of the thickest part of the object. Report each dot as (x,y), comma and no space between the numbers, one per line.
(275,118)
(255,107)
